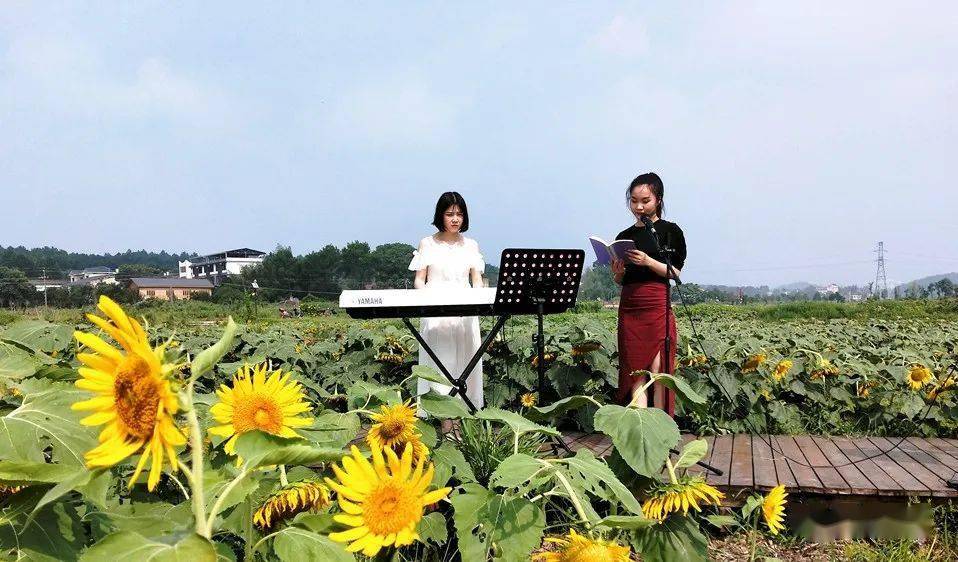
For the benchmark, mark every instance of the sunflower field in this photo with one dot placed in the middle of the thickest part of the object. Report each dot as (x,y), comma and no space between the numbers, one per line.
(301,441)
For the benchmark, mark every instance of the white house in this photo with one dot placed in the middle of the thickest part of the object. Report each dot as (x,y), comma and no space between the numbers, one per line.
(92,273)
(216,267)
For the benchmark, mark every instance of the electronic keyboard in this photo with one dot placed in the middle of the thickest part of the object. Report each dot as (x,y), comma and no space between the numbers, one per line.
(413,303)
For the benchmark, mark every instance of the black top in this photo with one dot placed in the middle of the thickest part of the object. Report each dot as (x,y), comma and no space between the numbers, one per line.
(670,235)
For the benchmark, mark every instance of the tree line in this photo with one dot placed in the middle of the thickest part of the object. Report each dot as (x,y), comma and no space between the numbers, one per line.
(54,263)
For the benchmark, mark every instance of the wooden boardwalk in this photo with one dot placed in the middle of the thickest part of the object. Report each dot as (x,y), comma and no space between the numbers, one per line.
(918,467)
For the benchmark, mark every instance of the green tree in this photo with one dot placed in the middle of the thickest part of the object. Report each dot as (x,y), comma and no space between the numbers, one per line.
(15,288)
(390,265)
(321,270)
(355,264)
(128,271)
(597,284)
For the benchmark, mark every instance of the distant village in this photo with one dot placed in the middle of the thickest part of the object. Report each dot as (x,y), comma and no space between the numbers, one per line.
(196,277)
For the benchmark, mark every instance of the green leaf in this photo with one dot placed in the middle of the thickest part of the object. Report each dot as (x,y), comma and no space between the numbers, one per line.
(680,387)
(676,538)
(751,504)
(556,409)
(16,364)
(44,418)
(209,357)
(141,517)
(491,527)
(449,463)
(364,394)
(516,470)
(692,452)
(294,544)
(627,522)
(432,528)
(722,521)
(443,406)
(133,546)
(428,434)
(38,335)
(516,422)
(331,430)
(262,449)
(642,436)
(595,476)
(22,473)
(430,374)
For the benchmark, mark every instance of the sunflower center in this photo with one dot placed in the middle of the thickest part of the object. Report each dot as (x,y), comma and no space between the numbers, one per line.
(392,428)
(258,412)
(391,507)
(137,396)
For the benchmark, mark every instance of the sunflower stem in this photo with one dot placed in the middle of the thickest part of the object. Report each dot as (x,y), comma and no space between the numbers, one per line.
(196,466)
(282,475)
(753,539)
(226,491)
(668,464)
(573,498)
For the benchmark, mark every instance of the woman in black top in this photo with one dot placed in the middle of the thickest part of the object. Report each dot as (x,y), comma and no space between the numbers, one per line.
(642,309)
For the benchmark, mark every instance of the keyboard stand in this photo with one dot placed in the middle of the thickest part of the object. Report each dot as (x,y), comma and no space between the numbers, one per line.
(459,383)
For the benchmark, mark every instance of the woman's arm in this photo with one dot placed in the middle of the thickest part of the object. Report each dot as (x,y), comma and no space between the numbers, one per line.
(642,259)
(475,277)
(618,271)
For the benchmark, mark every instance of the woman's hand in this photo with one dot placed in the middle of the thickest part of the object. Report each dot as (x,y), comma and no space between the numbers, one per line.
(637,257)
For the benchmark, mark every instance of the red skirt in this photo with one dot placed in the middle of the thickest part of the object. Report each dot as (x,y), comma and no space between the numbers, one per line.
(642,337)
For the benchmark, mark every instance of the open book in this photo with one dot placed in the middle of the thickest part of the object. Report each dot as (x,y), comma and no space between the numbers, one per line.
(606,252)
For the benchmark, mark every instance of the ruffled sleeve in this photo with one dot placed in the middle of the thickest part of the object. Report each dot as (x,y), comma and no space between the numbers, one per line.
(421,258)
(476,261)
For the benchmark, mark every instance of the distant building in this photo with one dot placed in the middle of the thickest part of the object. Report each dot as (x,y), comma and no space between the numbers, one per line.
(92,273)
(216,267)
(170,288)
(829,289)
(42,285)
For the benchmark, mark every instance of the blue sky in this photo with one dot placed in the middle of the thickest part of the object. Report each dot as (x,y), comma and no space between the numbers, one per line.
(791,138)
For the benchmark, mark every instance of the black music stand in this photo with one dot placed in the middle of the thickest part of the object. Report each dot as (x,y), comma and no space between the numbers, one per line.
(539,281)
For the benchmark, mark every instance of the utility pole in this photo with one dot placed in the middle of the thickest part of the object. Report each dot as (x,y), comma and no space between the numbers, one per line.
(881,282)
(43,276)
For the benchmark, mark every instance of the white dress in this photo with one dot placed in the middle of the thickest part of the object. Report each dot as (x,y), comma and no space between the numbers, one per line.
(454,340)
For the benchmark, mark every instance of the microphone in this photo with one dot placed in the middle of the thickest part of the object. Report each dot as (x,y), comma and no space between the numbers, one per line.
(651,227)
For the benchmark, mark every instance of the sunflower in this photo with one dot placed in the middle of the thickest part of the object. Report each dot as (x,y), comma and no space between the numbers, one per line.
(584,348)
(773,509)
(695,360)
(133,395)
(395,427)
(271,405)
(918,376)
(673,498)
(529,399)
(781,369)
(823,368)
(754,362)
(944,385)
(382,502)
(7,490)
(578,548)
(290,500)
(547,358)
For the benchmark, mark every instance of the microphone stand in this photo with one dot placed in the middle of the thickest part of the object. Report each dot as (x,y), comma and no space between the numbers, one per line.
(666,252)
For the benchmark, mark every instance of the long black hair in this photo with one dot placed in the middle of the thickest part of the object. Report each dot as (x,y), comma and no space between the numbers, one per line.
(446,200)
(654,182)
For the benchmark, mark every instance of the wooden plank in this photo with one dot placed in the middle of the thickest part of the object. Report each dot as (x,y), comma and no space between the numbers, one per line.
(949,461)
(945,445)
(880,480)
(741,473)
(763,467)
(907,484)
(832,481)
(783,474)
(854,478)
(806,478)
(722,460)
(927,477)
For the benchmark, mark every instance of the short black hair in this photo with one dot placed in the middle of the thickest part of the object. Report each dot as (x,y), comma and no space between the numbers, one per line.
(446,200)
(655,184)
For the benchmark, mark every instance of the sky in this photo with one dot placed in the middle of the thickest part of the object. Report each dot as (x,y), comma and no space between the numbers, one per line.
(791,137)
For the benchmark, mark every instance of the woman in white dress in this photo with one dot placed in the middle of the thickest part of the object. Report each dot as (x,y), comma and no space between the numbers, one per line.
(449,259)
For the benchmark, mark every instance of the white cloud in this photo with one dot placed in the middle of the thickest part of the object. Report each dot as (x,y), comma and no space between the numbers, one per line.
(623,36)
(69,78)
(401,111)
